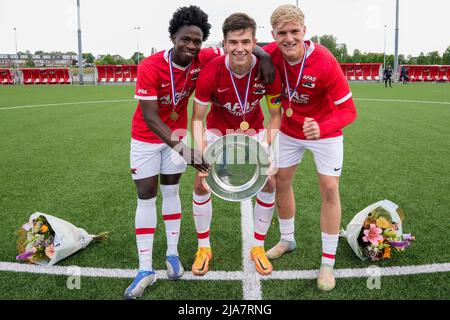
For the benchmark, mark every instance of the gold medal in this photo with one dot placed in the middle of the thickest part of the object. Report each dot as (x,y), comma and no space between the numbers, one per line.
(173,115)
(244,125)
(289,112)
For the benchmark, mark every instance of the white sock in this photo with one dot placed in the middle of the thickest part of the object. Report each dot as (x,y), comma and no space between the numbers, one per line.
(145,225)
(171,212)
(202,211)
(263,214)
(287,228)
(329,246)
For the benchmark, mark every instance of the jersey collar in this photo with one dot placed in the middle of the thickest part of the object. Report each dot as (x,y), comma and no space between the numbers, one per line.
(309,49)
(166,57)
(239,76)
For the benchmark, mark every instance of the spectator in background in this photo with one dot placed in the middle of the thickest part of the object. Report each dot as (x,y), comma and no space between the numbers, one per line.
(387,76)
(404,74)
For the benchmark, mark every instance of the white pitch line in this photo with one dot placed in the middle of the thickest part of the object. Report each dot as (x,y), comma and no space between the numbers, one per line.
(131,100)
(112,273)
(65,104)
(407,101)
(361,272)
(228,276)
(251,286)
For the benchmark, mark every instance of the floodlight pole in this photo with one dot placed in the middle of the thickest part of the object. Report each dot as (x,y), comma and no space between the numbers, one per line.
(296,2)
(384,59)
(396,36)
(137,40)
(80,51)
(17,53)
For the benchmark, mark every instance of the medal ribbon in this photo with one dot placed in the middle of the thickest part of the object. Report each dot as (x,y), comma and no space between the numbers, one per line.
(172,82)
(244,104)
(292,92)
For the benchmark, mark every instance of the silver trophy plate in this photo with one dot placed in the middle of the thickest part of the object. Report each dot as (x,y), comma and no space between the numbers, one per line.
(239,167)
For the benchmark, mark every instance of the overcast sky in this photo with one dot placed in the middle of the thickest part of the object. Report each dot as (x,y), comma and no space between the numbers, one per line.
(108,26)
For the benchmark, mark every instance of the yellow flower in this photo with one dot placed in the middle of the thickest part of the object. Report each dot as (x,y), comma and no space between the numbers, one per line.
(383,223)
(44,228)
(387,253)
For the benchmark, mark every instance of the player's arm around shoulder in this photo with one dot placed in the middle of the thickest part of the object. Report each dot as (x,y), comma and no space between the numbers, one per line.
(266,69)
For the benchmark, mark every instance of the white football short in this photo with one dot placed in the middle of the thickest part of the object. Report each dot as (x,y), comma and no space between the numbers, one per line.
(151,159)
(328,153)
(211,137)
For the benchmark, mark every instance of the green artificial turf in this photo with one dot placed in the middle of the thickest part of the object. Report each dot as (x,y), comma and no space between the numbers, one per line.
(72,161)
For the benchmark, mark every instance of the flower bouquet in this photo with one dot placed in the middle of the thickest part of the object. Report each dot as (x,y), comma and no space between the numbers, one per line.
(46,239)
(376,232)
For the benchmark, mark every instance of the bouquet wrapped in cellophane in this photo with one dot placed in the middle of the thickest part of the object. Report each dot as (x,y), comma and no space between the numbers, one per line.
(46,240)
(376,232)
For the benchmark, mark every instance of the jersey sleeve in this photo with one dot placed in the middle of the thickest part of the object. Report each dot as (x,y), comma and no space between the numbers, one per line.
(337,86)
(204,86)
(339,92)
(207,54)
(147,83)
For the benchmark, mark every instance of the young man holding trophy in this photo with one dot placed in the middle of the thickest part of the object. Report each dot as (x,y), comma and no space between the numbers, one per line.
(230,84)
(317,104)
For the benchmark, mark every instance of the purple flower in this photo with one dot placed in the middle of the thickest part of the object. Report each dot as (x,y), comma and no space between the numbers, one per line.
(24,256)
(408,237)
(400,244)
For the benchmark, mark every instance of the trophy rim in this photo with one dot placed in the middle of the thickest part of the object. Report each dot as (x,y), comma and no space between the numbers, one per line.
(260,175)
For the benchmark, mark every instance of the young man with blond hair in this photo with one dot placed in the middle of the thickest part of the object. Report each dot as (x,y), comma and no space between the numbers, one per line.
(232,87)
(317,104)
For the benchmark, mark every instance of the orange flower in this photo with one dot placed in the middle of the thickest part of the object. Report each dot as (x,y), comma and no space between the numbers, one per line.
(387,253)
(44,228)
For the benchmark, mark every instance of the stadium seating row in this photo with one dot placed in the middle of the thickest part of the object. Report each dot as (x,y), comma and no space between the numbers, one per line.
(427,73)
(46,76)
(116,73)
(6,76)
(362,71)
(128,74)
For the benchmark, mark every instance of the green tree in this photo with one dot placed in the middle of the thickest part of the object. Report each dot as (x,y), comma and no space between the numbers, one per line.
(89,57)
(315,39)
(106,59)
(357,56)
(411,60)
(29,63)
(330,42)
(446,56)
(433,57)
(421,59)
(342,53)
(134,57)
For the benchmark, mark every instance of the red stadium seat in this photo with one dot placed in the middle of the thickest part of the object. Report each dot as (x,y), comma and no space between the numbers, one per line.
(361,71)
(27,76)
(6,77)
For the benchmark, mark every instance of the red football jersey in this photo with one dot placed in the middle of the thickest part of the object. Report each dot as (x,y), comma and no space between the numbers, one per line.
(321,91)
(215,86)
(154,83)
